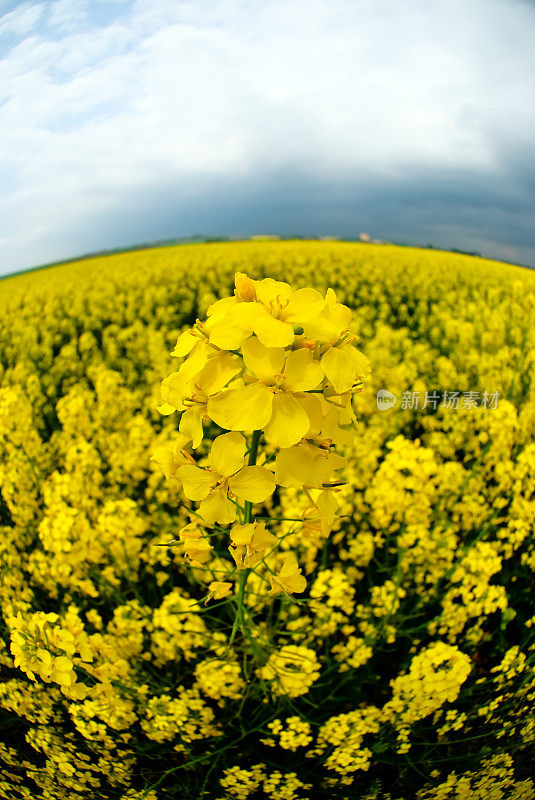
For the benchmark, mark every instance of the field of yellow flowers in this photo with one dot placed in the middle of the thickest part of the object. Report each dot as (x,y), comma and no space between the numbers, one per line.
(340,605)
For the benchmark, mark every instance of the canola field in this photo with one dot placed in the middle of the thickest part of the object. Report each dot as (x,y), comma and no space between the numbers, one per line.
(237,571)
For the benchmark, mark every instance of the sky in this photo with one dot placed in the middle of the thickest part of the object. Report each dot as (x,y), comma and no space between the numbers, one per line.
(125,121)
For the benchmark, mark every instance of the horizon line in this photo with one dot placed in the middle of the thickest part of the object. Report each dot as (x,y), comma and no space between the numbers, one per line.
(219,239)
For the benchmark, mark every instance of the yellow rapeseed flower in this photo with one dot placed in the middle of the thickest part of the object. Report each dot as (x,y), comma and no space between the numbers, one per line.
(226,475)
(272,399)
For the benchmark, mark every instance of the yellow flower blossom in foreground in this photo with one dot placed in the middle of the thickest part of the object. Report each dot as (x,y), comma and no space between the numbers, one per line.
(217,590)
(171,457)
(289,578)
(193,392)
(306,465)
(197,548)
(272,399)
(278,363)
(342,363)
(270,309)
(227,474)
(250,542)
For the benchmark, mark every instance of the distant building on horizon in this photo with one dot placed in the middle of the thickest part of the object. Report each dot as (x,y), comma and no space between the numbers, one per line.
(264,237)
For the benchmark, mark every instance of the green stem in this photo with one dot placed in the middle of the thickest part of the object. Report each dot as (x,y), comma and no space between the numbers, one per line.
(244,574)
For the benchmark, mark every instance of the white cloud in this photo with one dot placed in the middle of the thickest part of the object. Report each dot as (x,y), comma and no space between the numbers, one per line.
(67,15)
(21,20)
(187,91)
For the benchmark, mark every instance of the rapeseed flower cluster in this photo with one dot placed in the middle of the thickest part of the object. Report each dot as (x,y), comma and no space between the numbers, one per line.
(268,361)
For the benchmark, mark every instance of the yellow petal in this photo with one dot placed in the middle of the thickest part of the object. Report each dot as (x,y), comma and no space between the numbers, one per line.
(295,584)
(195,361)
(231,330)
(335,461)
(303,305)
(64,679)
(245,288)
(289,421)
(166,409)
(290,565)
(328,505)
(242,534)
(228,453)
(339,368)
(312,405)
(191,424)
(174,389)
(198,550)
(243,315)
(190,531)
(290,577)
(220,308)
(306,465)
(227,336)
(184,344)
(43,655)
(330,428)
(217,372)
(180,442)
(262,538)
(330,296)
(346,415)
(302,372)
(243,409)
(292,467)
(217,590)
(270,291)
(263,362)
(330,324)
(62,664)
(168,459)
(196,482)
(360,362)
(255,484)
(273,332)
(251,559)
(218,508)
(237,554)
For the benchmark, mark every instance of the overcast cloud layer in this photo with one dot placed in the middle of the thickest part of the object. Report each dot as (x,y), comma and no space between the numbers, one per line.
(125,122)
